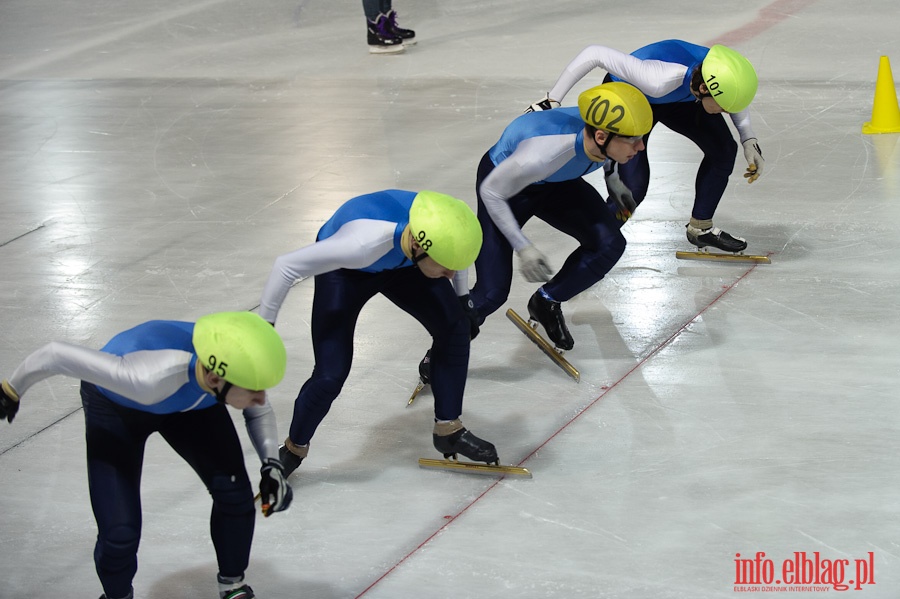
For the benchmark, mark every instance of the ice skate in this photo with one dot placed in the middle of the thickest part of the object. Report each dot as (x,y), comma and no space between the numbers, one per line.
(713,237)
(291,456)
(424,377)
(380,38)
(407,36)
(242,592)
(452,438)
(530,330)
(549,314)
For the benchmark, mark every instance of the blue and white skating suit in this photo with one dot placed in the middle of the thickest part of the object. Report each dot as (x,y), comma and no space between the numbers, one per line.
(145,381)
(662,71)
(363,234)
(537,169)
(357,255)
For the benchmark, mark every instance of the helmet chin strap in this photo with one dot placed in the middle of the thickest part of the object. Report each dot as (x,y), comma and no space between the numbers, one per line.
(418,257)
(220,395)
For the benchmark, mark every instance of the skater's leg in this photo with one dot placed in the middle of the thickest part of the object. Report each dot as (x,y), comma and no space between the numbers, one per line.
(578,211)
(711,134)
(208,441)
(339,297)
(115,439)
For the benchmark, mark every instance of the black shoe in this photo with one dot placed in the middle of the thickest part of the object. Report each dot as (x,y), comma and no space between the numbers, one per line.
(716,238)
(550,315)
(244,592)
(408,36)
(467,444)
(289,460)
(425,369)
(381,39)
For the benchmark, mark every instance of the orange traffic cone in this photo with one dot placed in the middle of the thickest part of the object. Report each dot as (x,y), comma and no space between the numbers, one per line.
(885,110)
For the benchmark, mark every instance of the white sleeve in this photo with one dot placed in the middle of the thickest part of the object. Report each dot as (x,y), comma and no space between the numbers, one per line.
(263,430)
(357,244)
(534,160)
(146,377)
(653,77)
(741,122)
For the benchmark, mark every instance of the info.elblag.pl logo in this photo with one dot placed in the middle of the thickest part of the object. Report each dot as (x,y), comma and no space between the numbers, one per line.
(802,572)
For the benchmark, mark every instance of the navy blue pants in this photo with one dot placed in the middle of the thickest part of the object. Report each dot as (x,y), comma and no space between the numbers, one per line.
(339,297)
(206,439)
(711,134)
(572,207)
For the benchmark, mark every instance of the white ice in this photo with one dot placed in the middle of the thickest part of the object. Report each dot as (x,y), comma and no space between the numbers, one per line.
(155,157)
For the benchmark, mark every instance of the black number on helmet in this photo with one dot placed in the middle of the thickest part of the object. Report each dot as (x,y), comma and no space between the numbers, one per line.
(713,86)
(218,367)
(424,243)
(618,113)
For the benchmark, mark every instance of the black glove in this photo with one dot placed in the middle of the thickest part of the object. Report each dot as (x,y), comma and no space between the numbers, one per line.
(471,313)
(9,404)
(274,491)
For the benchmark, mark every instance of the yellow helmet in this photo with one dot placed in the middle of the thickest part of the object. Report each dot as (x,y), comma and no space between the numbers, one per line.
(616,107)
(446,228)
(242,348)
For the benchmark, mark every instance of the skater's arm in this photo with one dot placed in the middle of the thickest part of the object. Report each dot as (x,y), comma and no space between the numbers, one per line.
(146,377)
(357,244)
(741,122)
(263,430)
(653,77)
(534,160)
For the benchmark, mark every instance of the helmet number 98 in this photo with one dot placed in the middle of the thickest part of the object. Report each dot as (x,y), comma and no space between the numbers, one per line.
(424,243)
(598,104)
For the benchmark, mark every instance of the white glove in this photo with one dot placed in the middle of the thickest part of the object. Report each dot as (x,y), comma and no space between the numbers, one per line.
(545,104)
(533,265)
(755,161)
(621,195)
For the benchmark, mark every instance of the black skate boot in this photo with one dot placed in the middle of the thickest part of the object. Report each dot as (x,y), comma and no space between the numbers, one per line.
(234,588)
(408,36)
(425,369)
(451,438)
(715,237)
(291,456)
(549,314)
(380,37)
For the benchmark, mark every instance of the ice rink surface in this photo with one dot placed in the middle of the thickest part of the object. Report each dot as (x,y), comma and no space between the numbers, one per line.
(155,158)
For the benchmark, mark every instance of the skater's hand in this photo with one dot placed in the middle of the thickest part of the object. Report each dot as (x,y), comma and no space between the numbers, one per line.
(621,195)
(274,491)
(9,402)
(545,104)
(755,161)
(471,313)
(533,265)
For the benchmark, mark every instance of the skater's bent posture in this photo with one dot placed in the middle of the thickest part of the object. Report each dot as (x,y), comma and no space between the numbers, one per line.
(174,378)
(537,169)
(407,246)
(689,87)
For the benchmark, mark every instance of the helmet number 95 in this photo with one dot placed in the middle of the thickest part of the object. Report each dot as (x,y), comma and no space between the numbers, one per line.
(217,367)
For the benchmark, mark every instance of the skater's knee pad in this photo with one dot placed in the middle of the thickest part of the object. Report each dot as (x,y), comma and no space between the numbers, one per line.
(117,547)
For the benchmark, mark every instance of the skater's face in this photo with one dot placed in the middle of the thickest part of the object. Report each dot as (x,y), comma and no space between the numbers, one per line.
(622,149)
(236,397)
(433,270)
(709,104)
